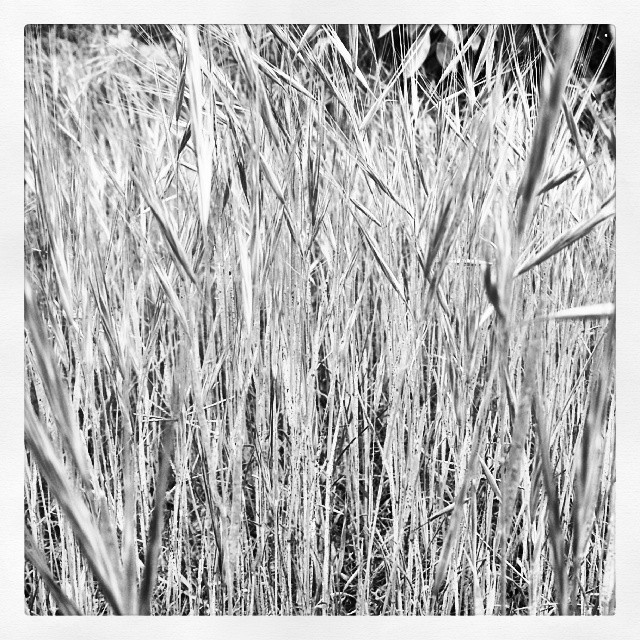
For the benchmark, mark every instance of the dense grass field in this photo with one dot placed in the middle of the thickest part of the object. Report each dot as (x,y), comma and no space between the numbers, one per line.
(307,337)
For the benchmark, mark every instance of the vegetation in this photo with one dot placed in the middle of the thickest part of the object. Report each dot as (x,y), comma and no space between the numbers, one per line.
(303,338)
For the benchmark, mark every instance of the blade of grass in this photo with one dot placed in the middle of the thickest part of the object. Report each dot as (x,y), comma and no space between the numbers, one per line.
(554,519)
(569,41)
(106,570)
(567,238)
(33,555)
(166,446)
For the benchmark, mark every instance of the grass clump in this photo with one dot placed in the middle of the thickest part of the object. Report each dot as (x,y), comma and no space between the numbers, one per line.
(306,339)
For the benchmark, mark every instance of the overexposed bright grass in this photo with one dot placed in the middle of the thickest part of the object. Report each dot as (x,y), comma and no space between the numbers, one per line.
(295,345)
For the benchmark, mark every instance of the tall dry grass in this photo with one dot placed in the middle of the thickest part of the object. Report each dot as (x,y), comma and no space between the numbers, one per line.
(301,340)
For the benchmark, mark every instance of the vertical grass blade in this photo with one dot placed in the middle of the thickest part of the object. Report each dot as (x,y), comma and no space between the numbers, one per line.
(550,109)
(166,445)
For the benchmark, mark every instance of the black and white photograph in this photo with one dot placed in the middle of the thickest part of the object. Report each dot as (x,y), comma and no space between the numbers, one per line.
(319,320)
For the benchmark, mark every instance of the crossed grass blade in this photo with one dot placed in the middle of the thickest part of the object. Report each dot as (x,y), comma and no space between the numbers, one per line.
(567,238)
(377,254)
